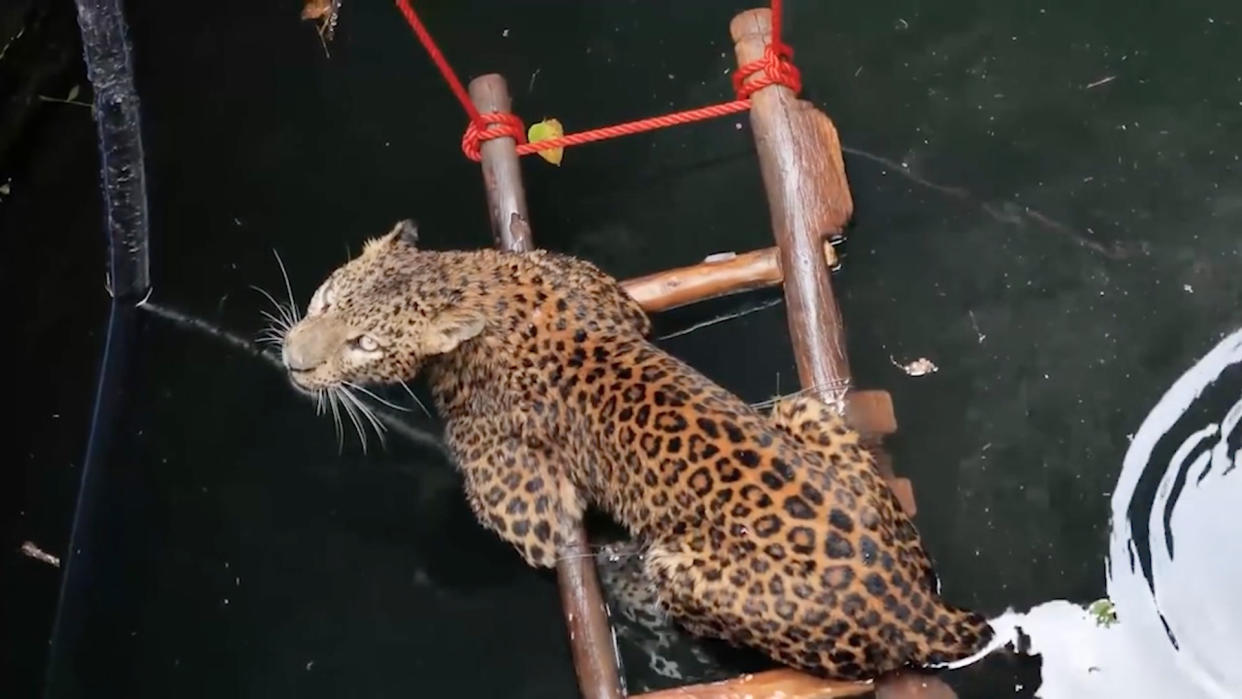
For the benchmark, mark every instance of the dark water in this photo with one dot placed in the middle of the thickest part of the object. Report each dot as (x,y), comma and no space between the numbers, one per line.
(1048,206)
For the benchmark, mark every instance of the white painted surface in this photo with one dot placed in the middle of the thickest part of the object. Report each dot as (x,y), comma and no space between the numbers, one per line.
(1198,587)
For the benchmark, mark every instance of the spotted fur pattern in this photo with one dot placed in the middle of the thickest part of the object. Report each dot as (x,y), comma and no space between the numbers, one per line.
(769,531)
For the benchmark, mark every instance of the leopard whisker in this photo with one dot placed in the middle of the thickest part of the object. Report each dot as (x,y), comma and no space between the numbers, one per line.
(371,394)
(367,413)
(272,337)
(286,318)
(336,420)
(293,306)
(343,396)
(416,400)
(278,324)
(273,334)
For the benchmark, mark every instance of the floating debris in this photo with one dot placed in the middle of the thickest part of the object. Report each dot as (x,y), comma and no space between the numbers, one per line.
(919,367)
(325,14)
(980,335)
(30,550)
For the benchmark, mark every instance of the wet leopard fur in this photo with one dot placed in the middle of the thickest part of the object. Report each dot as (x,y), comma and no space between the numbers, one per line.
(774,532)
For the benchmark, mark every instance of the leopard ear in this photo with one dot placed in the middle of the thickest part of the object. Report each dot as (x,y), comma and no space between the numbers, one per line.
(451,328)
(405,232)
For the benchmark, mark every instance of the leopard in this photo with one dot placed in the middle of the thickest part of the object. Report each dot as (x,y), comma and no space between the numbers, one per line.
(774,532)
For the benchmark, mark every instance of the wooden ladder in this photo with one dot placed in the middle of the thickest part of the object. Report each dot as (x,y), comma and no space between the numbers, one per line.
(809,199)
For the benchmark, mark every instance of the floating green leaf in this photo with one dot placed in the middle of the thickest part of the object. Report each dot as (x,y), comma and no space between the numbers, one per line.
(1104,611)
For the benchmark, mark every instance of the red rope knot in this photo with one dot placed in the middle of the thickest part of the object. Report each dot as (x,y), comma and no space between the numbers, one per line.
(775,68)
(489,126)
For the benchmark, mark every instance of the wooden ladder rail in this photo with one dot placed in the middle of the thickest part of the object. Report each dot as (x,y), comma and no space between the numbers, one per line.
(586,616)
(808,195)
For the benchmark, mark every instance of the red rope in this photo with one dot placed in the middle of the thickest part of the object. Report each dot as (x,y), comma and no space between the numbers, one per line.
(438,58)
(633,127)
(775,68)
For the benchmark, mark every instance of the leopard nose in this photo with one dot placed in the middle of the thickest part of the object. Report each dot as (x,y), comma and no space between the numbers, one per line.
(295,359)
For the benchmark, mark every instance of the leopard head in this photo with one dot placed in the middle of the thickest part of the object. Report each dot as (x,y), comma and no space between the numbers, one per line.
(377,319)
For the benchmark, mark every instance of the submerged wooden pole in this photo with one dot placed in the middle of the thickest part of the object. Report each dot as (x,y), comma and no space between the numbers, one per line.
(590,635)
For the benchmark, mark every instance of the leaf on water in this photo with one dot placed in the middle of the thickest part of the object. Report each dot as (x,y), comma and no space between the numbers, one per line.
(543,131)
(73,94)
(1104,611)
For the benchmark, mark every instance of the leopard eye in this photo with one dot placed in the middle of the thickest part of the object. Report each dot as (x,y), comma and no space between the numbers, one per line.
(366,343)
